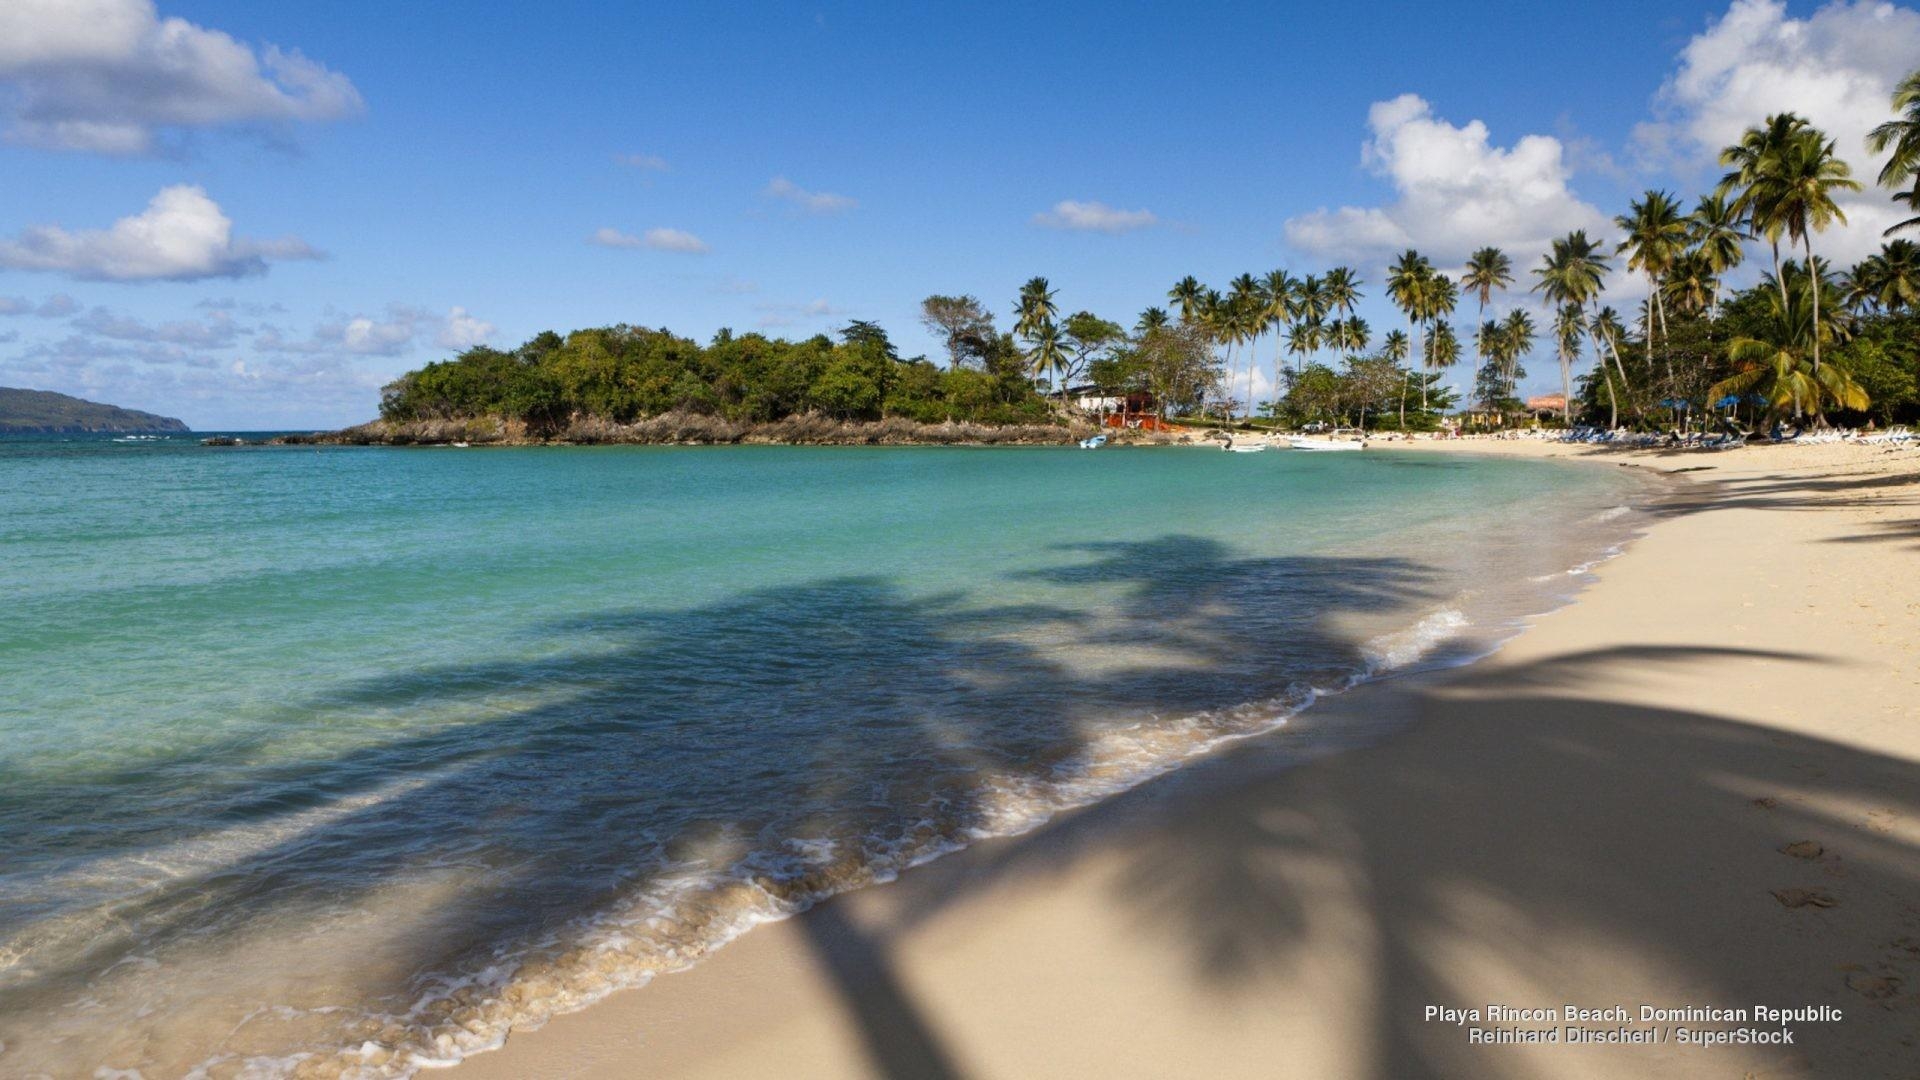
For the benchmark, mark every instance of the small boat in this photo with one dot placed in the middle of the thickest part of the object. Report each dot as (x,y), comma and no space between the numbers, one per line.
(1325,444)
(462,445)
(1244,448)
(1093,442)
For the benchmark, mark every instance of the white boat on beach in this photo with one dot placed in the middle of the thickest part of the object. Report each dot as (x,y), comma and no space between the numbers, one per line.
(1093,442)
(1304,443)
(1243,448)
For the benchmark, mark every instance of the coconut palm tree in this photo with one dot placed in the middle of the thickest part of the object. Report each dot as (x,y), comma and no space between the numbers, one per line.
(1409,280)
(1439,299)
(1342,290)
(1778,367)
(1517,333)
(1720,237)
(1034,308)
(1489,270)
(1798,190)
(1186,296)
(1572,273)
(1248,321)
(1048,355)
(1656,235)
(1152,319)
(1569,325)
(1690,284)
(1277,288)
(1889,279)
(1902,136)
(1351,335)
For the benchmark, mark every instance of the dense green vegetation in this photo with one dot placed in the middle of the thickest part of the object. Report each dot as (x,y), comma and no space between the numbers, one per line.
(42,411)
(624,373)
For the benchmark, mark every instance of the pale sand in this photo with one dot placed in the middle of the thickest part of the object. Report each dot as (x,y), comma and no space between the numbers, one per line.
(1593,816)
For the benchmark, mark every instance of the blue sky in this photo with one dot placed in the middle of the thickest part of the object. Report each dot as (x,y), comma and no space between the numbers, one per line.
(419,177)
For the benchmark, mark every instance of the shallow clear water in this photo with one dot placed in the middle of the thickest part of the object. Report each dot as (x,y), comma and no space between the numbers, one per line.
(351,758)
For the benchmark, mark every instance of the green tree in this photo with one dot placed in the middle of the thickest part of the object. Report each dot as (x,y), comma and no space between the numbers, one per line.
(1902,136)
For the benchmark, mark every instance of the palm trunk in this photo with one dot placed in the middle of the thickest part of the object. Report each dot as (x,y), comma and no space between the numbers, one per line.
(1813,284)
(1566,388)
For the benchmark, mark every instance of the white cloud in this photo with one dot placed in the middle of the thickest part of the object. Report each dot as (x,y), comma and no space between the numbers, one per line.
(460,330)
(1456,192)
(109,76)
(217,331)
(182,235)
(1837,67)
(394,333)
(1094,217)
(656,239)
(813,202)
(643,162)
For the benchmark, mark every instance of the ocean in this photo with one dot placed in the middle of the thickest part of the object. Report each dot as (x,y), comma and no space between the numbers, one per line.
(343,761)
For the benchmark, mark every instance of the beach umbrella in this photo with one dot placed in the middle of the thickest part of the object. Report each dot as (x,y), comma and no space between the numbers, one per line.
(1727,402)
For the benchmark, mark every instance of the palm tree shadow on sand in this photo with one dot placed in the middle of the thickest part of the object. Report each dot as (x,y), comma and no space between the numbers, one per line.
(1645,832)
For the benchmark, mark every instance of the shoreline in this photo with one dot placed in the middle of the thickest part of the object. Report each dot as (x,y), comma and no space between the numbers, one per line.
(1019,955)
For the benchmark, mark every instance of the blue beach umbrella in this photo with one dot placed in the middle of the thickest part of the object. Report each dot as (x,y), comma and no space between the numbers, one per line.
(1727,402)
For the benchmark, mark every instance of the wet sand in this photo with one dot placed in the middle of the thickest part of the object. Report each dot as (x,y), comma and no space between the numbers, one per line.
(1699,785)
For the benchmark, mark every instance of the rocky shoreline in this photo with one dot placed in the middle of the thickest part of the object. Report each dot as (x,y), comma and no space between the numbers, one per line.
(693,429)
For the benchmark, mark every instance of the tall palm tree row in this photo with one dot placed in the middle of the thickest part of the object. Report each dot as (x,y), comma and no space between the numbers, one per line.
(1901,135)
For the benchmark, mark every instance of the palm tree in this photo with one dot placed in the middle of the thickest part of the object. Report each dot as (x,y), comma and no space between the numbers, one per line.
(1517,333)
(1151,319)
(1409,280)
(1441,296)
(1690,284)
(1903,136)
(1342,291)
(1785,174)
(1720,238)
(1352,334)
(1656,236)
(1799,192)
(1572,274)
(1248,321)
(1569,324)
(1889,279)
(1489,270)
(1777,366)
(1186,296)
(1394,348)
(1752,159)
(1034,308)
(1277,289)
(1048,356)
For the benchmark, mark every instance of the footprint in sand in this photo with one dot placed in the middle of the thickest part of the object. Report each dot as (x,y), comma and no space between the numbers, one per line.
(1803,849)
(1799,898)
(1874,987)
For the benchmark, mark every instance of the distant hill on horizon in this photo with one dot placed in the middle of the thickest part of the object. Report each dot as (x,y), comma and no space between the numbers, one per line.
(43,412)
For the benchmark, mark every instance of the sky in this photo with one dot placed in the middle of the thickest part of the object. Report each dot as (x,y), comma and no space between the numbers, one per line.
(251,215)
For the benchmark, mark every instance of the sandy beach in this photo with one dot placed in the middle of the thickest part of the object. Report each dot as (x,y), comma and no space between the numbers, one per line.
(1696,787)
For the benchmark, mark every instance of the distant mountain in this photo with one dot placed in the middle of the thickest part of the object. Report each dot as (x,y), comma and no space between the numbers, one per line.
(42,412)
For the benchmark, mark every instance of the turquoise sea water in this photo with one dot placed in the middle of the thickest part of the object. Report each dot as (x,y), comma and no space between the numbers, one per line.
(351,758)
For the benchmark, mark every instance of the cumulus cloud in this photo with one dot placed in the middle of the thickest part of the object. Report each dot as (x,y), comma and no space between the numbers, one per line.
(182,235)
(395,332)
(1837,67)
(1094,217)
(643,162)
(813,202)
(656,239)
(1456,192)
(110,76)
(460,330)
